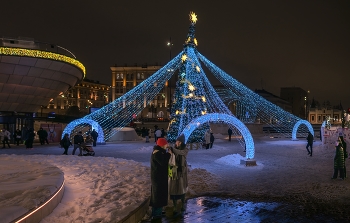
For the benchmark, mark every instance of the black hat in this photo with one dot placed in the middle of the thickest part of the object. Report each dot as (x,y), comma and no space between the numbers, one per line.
(181,138)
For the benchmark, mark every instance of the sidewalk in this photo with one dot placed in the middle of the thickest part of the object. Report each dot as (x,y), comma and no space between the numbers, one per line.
(287,184)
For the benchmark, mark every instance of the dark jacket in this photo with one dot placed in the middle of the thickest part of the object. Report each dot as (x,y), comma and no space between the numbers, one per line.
(159,177)
(65,142)
(78,139)
(339,161)
(94,135)
(212,137)
(310,138)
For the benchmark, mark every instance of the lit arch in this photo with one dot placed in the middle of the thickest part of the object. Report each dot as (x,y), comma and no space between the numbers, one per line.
(69,128)
(223,118)
(296,126)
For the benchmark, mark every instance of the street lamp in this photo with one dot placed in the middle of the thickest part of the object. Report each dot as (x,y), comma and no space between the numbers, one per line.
(170,44)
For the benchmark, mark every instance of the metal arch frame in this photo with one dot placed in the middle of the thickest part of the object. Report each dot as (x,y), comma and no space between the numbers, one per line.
(220,117)
(69,128)
(296,126)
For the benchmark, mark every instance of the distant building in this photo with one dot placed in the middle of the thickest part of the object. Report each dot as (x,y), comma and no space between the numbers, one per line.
(125,78)
(31,73)
(298,98)
(285,105)
(85,95)
(318,113)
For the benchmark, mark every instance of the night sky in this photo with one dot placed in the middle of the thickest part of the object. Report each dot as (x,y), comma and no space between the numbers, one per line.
(263,44)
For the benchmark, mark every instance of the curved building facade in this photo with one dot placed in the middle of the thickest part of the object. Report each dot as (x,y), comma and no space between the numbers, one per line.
(31,73)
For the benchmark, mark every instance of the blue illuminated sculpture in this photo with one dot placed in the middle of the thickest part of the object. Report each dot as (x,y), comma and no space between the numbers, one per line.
(223,118)
(296,126)
(194,99)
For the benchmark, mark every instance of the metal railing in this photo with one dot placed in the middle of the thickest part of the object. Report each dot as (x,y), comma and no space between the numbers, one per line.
(30,43)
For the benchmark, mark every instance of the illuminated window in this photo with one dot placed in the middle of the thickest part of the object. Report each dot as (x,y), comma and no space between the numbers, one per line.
(138,75)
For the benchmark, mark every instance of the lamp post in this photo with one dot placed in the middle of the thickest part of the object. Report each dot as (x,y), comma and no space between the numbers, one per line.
(170,44)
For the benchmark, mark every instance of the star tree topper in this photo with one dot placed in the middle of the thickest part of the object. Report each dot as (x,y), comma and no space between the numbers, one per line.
(193,17)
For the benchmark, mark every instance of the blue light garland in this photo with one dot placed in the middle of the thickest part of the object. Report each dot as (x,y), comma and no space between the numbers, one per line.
(223,118)
(296,126)
(194,99)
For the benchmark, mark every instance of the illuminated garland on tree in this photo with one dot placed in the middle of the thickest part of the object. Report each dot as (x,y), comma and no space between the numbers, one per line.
(194,97)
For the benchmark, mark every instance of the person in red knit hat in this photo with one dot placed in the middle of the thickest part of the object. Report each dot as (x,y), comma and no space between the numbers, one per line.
(159,178)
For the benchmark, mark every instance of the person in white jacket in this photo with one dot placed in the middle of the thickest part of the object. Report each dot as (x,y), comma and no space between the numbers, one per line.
(5,137)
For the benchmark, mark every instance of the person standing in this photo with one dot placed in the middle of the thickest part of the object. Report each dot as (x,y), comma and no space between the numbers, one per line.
(310,141)
(346,155)
(229,131)
(158,134)
(94,135)
(159,177)
(145,133)
(5,136)
(42,136)
(211,140)
(178,183)
(65,143)
(18,136)
(78,139)
(207,139)
(29,139)
(339,162)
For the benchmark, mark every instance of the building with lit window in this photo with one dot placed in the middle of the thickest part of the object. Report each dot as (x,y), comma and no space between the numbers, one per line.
(124,78)
(319,113)
(86,95)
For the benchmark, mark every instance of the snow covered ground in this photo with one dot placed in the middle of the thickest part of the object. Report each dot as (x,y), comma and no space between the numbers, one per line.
(117,179)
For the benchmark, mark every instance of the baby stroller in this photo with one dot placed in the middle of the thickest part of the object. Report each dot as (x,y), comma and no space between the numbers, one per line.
(87,149)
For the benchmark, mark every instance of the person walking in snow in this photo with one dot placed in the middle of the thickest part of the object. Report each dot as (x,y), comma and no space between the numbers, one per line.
(178,183)
(346,155)
(229,131)
(159,177)
(211,140)
(310,141)
(158,134)
(207,139)
(65,143)
(94,135)
(339,161)
(5,136)
(78,140)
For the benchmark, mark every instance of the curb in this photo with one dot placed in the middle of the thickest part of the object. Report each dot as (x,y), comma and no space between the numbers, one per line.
(137,214)
(37,214)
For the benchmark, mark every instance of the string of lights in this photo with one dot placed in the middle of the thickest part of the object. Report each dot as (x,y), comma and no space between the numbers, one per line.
(195,102)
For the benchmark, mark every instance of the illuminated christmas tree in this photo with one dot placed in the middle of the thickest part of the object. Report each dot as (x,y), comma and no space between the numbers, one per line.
(189,99)
(194,98)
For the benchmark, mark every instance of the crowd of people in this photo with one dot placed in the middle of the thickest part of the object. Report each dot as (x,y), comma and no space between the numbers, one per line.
(27,137)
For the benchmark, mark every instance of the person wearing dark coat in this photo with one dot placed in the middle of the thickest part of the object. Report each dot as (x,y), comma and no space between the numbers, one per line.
(178,183)
(339,161)
(78,140)
(94,135)
(310,141)
(159,177)
(18,136)
(29,139)
(211,140)
(65,143)
(345,153)
(42,136)
(229,131)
